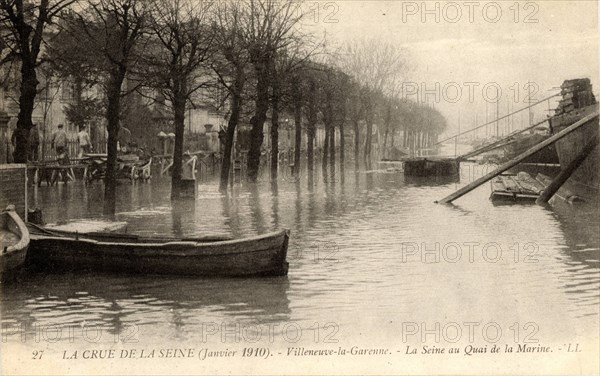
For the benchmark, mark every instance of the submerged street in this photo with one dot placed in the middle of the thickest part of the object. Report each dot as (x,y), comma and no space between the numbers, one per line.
(370,259)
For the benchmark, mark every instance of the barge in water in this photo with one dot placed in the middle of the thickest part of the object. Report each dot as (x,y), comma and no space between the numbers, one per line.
(577,102)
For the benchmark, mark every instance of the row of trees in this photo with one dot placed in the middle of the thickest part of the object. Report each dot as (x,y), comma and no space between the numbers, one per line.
(257,50)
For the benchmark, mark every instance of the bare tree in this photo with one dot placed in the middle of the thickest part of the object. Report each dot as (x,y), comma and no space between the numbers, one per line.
(374,65)
(297,103)
(269,26)
(285,88)
(112,33)
(22,28)
(332,107)
(356,115)
(178,60)
(230,68)
(312,116)
(343,84)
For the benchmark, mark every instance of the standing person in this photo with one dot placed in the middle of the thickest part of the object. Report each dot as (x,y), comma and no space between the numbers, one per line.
(83,139)
(59,143)
(34,143)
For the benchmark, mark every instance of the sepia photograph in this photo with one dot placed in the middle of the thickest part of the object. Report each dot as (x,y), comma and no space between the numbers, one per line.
(298,187)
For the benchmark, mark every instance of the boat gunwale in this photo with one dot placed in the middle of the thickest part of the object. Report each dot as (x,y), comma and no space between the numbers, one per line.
(24,237)
(167,246)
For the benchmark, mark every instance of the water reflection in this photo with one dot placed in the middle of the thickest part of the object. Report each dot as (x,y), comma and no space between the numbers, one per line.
(159,302)
(579,253)
(427,181)
(181,208)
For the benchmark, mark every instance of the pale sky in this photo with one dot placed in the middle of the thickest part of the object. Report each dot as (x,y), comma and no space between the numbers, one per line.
(479,42)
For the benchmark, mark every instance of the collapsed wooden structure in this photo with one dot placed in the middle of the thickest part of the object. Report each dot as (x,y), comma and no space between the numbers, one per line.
(515,161)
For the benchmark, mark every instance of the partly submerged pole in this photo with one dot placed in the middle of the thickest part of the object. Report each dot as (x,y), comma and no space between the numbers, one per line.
(565,173)
(521,157)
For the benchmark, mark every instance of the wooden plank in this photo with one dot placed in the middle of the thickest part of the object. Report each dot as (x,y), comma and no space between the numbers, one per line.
(529,183)
(510,184)
(521,157)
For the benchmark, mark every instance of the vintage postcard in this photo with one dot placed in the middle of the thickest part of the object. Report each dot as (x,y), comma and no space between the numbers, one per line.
(292,187)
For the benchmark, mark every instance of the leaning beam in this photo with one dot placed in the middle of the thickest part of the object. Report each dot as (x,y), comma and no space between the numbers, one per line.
(518,159)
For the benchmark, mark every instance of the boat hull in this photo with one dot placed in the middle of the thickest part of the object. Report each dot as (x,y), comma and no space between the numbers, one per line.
(547,155)
(585,181)
(256,256)
(13,256)
(431,167)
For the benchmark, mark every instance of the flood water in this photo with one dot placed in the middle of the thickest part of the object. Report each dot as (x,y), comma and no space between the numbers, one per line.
(368,258)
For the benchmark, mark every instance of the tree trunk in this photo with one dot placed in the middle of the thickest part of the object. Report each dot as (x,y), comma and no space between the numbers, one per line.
(385,137)
(112,117)
(310,131)
(343,110)
(78,100)
(298,128)
(388,120)
(236,105)
(324,160)
(329,119)
(342,149)
(179,123)
(342,146)
(356,145)
(258,121)
(275,132)
(310,142)
(332,152)
(368,141)
(228,144)
(369,136)
(26,103)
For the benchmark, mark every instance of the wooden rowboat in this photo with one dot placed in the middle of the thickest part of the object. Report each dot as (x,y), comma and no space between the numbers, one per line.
(14,241)
(263,255)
